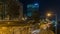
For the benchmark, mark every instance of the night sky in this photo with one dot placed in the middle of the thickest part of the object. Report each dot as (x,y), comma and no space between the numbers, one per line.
(45,5)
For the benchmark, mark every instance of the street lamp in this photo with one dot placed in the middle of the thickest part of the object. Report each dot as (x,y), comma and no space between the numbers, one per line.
(49,15)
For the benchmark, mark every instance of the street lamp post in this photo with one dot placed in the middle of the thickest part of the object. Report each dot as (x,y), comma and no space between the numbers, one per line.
(56,23)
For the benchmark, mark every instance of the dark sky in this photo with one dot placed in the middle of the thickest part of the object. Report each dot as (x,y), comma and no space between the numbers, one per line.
(53,5)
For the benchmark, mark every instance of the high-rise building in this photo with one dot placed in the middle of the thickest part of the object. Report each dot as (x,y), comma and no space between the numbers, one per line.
(11,9)
(31,8)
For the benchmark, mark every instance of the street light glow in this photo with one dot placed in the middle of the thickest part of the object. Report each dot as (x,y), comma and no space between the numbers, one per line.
(49,14)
